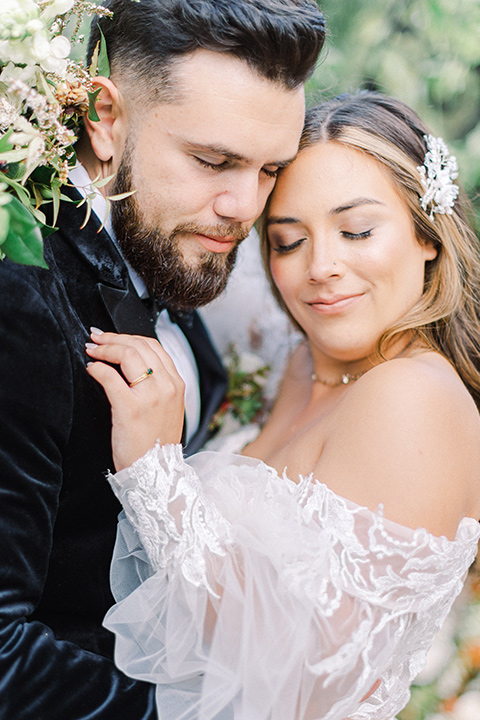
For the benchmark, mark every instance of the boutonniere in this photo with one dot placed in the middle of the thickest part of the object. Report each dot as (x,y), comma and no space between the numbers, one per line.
(43,97)
(245,402)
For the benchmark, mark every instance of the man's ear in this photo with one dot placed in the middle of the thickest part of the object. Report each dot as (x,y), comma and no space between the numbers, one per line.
(103,133)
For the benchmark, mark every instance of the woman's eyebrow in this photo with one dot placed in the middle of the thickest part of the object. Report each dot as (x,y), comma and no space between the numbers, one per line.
(277,220)
(357,202)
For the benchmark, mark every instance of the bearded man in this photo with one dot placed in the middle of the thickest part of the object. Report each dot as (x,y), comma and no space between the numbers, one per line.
(203,105)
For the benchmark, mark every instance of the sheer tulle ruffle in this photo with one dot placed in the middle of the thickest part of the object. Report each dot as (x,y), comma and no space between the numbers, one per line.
(258,598)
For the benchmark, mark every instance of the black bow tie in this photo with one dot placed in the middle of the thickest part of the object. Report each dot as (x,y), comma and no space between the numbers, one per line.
(155,307)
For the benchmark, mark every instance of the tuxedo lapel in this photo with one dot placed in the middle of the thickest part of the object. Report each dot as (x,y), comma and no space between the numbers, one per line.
(96,250)
(212,374)
(127,312)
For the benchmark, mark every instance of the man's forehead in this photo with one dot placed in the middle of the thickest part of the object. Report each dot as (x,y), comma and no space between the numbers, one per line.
(207,70)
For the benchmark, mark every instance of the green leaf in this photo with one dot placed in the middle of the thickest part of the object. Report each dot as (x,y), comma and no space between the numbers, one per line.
(94,62)
(47,230)
(5,143)
(4,223)
(56,200)
(23,194)
(88,212)
(121,196)
(101,183)
(12,156)
(43,175)
(92,111)
(103,66)
(24,242)
(100,64)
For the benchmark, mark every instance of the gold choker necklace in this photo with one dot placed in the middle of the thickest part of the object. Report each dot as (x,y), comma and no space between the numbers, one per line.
(348,378)
(344,380)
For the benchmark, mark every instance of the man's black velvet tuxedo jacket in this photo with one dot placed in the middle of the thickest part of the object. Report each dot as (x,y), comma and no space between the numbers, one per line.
(57,512)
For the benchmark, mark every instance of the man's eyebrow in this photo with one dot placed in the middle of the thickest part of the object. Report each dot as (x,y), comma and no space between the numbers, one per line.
(354,204)
(231,155)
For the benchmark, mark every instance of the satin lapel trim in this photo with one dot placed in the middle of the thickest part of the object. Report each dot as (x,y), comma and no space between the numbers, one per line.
(126,310)
(213,379)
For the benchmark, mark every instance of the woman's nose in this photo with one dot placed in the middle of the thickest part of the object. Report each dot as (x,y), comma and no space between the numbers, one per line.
(325,261)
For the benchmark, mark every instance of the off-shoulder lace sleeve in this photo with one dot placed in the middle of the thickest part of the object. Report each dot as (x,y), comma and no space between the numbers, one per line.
(256,598)
(162,498)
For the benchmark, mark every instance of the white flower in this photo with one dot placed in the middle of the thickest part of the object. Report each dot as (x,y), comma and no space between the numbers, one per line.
(56,7)
(34,26)
(451,680)
(230,425)
(467,707)
(470,628)
(25,38)
(50,55)
(25,132)
(250,362)
(8,114)
(15,16)
(12,73)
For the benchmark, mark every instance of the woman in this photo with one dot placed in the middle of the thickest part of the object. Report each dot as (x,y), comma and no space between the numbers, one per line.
(310,585)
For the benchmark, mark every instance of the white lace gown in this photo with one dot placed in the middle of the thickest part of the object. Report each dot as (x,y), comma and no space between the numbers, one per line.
(247,596)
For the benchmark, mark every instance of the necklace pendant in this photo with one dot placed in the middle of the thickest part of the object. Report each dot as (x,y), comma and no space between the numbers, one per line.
(346,378)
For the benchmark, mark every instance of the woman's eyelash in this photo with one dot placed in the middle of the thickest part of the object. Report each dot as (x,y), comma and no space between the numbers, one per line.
(286,248)
(356,236)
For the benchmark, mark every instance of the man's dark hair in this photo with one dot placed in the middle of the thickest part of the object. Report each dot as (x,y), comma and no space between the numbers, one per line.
(279,39)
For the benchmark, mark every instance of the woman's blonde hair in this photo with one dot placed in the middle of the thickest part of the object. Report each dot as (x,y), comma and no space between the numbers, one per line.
(447,316)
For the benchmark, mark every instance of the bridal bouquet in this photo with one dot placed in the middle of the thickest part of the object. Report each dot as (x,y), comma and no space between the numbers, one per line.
(43,96)
(245,403)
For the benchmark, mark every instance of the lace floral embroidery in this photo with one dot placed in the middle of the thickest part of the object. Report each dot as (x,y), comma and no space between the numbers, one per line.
(176,528)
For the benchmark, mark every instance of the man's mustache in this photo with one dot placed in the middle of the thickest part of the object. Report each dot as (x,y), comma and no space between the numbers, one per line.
(237,232)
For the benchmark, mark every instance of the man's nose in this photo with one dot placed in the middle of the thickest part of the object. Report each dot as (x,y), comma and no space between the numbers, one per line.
(240,201)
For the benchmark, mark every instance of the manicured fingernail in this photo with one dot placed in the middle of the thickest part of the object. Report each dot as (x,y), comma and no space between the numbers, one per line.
(91,346)
(96,331)
(90,363)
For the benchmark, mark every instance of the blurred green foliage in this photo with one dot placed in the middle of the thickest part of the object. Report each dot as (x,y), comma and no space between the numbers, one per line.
(424,52)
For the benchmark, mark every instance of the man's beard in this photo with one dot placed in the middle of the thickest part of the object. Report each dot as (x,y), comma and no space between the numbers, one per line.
(156,255)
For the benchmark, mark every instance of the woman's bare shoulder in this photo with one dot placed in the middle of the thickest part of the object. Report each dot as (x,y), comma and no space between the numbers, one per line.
(407,435)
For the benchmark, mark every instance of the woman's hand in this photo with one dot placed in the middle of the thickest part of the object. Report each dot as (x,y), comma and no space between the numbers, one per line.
(150,409)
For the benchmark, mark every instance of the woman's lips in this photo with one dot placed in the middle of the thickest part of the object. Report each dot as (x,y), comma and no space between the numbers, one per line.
(334,304)
(215,243)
